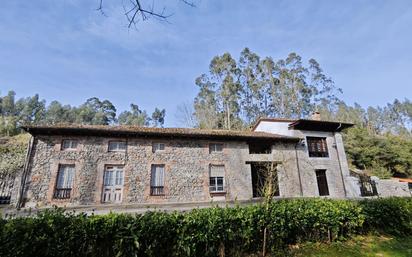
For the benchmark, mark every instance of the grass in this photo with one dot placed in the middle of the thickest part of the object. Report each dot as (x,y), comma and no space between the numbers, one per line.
(359,246)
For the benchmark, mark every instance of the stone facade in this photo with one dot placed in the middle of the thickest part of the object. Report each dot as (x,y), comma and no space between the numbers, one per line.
(186,163)
(186,160)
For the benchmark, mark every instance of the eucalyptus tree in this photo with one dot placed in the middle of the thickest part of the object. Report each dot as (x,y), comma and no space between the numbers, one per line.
(134,117)
(158,117)
(205,104)
(252,102)
(252,87)
(96,112)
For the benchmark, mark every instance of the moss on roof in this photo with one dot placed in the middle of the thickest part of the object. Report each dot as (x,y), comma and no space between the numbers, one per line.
(150,131)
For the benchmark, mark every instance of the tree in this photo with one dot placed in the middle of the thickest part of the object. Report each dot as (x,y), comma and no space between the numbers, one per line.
(134,117)
(225,72)
(96,112)
(57,113)
(252,96)
(142,10)
(236,93)
(31,110)
(158,117)
(8,104)
(205,104)
(268,185)
(185,115)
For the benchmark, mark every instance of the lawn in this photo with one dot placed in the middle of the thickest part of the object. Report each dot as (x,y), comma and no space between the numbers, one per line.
(360,246)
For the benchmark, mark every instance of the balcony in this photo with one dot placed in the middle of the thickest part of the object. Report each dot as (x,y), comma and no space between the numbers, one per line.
(156,190)
(62,193)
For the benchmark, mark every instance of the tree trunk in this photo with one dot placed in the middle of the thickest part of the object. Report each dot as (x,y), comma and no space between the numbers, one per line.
(264,242)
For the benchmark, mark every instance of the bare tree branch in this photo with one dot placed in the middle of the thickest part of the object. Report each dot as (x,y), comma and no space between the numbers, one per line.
(189,3)
(100,8)
(134,11)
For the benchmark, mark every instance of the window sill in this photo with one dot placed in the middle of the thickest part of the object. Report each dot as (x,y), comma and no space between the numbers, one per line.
(217,193)
(61,199)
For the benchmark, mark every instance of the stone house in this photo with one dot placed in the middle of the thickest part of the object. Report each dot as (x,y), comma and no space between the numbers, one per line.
(100,166)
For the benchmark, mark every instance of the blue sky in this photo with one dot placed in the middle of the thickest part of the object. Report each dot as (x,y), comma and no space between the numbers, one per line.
(68,51)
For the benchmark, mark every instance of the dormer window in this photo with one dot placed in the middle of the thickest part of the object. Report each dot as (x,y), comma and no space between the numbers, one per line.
(69,144)
(215,147)
(158,147)
(317,147)
(117,146)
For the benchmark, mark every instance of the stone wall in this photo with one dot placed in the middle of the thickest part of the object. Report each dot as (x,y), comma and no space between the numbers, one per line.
(389,187)
(186,163)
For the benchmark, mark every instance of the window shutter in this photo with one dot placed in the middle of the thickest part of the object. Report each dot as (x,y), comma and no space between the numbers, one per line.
(217,171)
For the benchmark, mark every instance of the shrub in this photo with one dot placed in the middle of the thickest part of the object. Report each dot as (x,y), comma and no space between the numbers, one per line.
(389,215)
(200,232)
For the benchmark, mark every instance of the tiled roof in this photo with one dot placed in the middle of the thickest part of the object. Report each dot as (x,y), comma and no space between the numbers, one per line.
(101,130)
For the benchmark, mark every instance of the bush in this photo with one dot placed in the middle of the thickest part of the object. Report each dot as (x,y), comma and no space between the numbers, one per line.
(389,215)
(200,232)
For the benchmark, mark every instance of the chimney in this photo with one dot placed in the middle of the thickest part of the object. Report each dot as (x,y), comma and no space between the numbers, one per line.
(316,115)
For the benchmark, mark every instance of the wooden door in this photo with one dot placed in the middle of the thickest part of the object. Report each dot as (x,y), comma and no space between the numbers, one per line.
(113,184)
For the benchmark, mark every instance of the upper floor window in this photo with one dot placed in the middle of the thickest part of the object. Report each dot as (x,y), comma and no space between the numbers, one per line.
(317,147)
(260,148)
(69,144)
(117,146)
(215,147)
(64,182)
(217,178)
(158,147)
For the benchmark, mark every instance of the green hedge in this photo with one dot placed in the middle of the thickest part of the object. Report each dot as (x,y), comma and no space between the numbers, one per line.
(200,232)
(388,215)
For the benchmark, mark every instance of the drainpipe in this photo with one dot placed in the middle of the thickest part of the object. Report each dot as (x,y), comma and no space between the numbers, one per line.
(298,168)
(26,169)
(340,165)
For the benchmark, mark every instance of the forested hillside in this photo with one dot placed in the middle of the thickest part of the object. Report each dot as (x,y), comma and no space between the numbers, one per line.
(33,110)
(233,94)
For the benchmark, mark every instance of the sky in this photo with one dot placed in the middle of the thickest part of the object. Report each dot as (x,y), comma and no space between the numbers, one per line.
(68,51)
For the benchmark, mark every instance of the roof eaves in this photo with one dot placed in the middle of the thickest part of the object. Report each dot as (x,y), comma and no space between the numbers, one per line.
(155,132)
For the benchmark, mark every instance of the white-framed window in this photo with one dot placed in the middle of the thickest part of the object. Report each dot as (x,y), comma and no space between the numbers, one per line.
(157,179)
(69,144)
(117,146)
(217,178)
(113,184)
(158,147)
(113,176)
(64,182)
(215,147)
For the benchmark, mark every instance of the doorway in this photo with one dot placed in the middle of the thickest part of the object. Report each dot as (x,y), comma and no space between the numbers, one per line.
(113,184)
(261,175)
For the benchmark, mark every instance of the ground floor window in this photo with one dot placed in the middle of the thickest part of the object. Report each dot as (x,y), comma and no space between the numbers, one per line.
(157,179)
(64,182)
(217,178)
(322,182)
(113,184)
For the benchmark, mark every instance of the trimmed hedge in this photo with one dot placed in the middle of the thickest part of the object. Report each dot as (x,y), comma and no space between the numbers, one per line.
(388,215)
(200,232)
